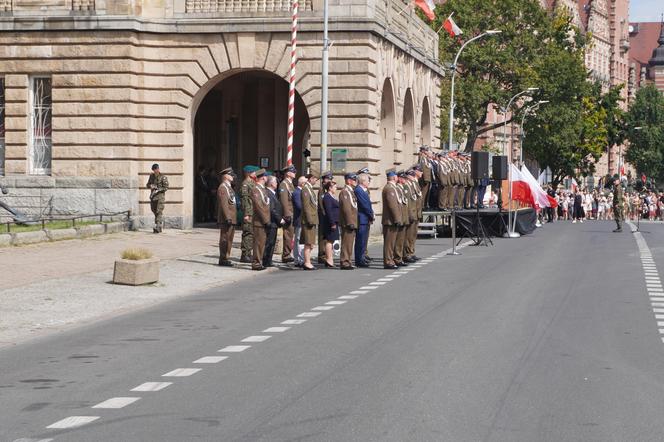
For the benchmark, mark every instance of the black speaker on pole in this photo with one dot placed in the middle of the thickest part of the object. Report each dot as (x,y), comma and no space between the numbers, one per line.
(499,167)
(479,165)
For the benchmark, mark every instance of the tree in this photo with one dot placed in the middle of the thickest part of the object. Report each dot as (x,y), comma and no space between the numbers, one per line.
(493,69)
(646,146)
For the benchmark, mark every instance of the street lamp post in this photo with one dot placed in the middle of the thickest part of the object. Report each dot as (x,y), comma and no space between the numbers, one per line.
(453,67)
(529,109)
(324,87)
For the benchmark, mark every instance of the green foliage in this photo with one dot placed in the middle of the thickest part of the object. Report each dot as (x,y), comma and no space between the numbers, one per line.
(646,146)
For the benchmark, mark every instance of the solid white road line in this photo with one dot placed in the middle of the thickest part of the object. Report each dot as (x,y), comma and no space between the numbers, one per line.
(73,422)
(294,321)
(348,297)
(308,315)
(210,360)
(181,372)
(152,386)
(116,402)
(323,308)
(234,348)
(262,338)
(335,302)
(276,330)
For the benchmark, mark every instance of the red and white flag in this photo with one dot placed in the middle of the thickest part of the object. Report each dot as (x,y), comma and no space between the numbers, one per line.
(451,27)
(427,6)
(527,190)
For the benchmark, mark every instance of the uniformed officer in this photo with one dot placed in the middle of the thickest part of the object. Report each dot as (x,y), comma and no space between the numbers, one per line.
(365,171)
(348,220)
(415,213)
(247,212)
(309,219)
(158,185)
(226,216)
(467,181)
(322,228)
(618,203)
(260,218)
(286,189)
(392,213)
(444,180)
(404,195)
(427,172)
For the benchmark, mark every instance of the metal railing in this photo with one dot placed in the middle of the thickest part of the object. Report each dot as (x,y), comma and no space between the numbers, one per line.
(43,220)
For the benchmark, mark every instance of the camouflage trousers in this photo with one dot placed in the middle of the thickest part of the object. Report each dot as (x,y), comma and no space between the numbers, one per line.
(157,207)
(618,215)
(247,244)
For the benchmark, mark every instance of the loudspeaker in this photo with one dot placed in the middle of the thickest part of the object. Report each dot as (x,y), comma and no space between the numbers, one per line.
(479,165)
(499,167)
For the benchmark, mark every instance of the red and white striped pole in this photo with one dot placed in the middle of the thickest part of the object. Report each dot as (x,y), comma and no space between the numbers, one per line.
(291,87)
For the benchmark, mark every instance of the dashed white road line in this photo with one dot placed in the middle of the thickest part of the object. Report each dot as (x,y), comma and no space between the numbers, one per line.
(117,402)
(181,372)
(294,321)
(335,302)
(359,292)
(323,308)
(261,338)
(384,279)
(276,329)
(234,348)
(152,386)
(23,439)
(308,315)
(348,297)
(378,283)
(369,287)
(73,422)
(210,360)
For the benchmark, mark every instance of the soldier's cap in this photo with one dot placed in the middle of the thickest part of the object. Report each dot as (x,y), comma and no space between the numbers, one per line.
(390,173)
(290,168)
(410,172)
(424,148)
(350,176)
(260,173)
(268,173)
(249,169)
(363,170)
(227,171)
(416,167)
(155,166)
(401,174)
(327,175)
(616,177)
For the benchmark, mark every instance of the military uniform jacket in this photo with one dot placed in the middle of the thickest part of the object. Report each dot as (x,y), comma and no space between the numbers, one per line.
(618,198)
(245,196)
(425,163)
(413,201)
(406,203)
(467,175)
(261,206)
(227,213)
(443,173)
(309,206)
(321,206)
(161,183)
(392,205)
(348,208)
(286,190)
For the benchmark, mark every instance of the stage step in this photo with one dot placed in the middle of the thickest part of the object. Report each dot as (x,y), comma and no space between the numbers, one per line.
(427,229)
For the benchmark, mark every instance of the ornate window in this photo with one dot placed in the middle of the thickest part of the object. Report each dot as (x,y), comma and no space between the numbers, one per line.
(41,144)
(2,126)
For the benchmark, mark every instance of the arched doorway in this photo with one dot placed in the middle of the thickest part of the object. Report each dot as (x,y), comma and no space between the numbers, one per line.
(407,130)
(387,129)
(243,119)
(425,125)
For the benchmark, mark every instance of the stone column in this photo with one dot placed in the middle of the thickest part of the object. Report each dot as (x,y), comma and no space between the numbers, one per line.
(17,124)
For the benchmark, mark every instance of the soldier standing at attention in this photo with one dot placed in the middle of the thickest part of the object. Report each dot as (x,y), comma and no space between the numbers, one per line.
(415,212)
(427,172)
(286,189)
(226,216)
(247,188)
(365,171)
(348,220)
(158,185)
(404,196)
(260,219)
(308,219)
(392,213)
(322,227)
(618,203)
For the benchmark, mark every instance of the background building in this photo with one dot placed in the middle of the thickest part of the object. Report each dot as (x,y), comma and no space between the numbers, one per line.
(95,91)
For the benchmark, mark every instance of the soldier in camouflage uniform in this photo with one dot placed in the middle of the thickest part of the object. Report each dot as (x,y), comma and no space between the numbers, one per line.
(247,245)
(618,203)
(158,185)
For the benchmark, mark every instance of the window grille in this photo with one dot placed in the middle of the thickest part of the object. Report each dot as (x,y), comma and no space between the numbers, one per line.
(41,143)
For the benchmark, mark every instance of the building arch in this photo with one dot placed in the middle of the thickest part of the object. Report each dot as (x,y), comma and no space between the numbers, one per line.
(387,127)
(407,144)
(425,124)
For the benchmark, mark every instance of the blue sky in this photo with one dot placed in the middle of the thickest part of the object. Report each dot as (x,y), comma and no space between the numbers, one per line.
(646,10)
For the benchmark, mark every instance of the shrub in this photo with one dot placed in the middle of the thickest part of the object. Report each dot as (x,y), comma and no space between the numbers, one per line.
(136,254)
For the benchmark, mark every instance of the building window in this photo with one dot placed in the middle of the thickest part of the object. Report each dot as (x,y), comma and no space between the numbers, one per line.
(41,144)
(2,126)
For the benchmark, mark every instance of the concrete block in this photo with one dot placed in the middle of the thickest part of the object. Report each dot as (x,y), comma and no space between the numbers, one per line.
(34,181)
(61,234)
(82,183)
(124,183)
(5,240)
(115,200)
(116,227)
(23,238)
(145,271)
(91,230)
(72,201)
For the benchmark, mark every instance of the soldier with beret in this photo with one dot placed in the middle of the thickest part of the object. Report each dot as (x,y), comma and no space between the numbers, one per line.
(392,218)
(309,219)
(348,219)
(260,219)
(158,185)
(286,189)
(247,212)
(226,216)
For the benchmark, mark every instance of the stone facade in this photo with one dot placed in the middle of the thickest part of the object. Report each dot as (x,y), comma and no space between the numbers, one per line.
(128,78)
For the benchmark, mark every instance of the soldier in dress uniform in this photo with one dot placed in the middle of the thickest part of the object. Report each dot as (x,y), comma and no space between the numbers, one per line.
(618,203)
(226,216)
(158,185)
(392,213)
(367,258)
(457,183)
(286,189)
(348,220)
(322,228)
(404,195)
(260,219)
(309,219)
(444,180)
(468,181)
(427,172)
(415,213)
(247,212)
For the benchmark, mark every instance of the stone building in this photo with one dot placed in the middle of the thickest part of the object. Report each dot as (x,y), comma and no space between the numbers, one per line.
(95,91)
(647,54)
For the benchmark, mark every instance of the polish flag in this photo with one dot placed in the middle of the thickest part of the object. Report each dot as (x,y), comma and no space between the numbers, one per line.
(452,27)
(427,6)
(527,190)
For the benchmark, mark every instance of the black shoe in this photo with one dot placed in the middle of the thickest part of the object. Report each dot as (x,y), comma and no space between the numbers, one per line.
(363,264)
(328,265)
(368,258)
(415,258)
(287,260)
(617,231)
(402,264)
(258,268)
(308,268)
(347,268)
(155,230)
(409,260)
(390,267)
(246,259)
(224,263)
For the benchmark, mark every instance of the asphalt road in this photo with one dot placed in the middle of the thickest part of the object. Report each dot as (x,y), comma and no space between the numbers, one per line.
(550,337)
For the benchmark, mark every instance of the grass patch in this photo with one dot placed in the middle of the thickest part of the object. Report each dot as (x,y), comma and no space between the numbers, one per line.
(51,225)
(136,254)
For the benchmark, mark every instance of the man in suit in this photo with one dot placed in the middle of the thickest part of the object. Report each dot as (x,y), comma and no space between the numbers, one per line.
(348,220)
(365,217)
(392,213)
(276,220)
(286,189)
(365,171)
(227,216)
(297,222)
(260,219)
